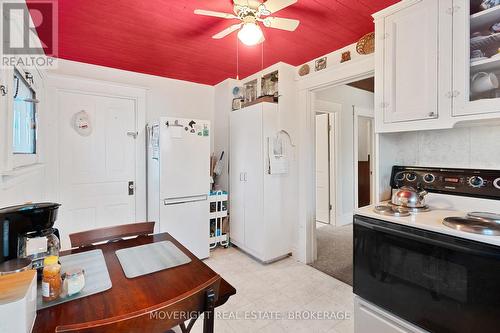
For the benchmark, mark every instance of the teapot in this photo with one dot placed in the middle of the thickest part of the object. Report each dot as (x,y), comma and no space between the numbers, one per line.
(409,197)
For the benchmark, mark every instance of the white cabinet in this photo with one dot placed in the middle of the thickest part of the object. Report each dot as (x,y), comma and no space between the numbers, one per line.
(413,68)
(257,226)
(476,59)
(371,319)
(437,63)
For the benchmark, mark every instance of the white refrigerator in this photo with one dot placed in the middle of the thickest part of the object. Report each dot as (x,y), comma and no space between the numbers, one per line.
(179,180)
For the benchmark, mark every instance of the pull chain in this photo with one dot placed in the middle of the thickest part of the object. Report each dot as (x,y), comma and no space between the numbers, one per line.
(237,61)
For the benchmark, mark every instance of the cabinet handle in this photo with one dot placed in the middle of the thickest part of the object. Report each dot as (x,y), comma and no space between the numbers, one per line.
(432,114)
(242,178)
(456,93)
(3,90)
(245,176)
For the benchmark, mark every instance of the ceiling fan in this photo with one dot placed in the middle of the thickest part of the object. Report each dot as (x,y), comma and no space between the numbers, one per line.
(251,12)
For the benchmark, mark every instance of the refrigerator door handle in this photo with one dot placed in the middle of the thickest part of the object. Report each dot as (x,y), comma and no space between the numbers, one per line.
(181,200)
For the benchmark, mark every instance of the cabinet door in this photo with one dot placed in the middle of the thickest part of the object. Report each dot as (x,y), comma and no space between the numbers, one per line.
(411,66)
(236,181)
(476,58)
(254,180)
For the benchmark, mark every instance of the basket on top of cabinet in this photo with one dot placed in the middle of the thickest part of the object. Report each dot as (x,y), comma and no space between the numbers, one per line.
(219,220)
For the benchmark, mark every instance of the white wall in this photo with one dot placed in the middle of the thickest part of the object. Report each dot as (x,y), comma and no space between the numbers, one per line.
(223,98)
(348,97)
(166,97)
(463,147)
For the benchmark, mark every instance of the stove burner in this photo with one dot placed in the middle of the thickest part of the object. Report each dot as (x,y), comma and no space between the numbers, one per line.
(391,211)
(475,225)
(412,209)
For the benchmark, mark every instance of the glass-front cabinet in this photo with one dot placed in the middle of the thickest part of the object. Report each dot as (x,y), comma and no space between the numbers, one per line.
(476,56)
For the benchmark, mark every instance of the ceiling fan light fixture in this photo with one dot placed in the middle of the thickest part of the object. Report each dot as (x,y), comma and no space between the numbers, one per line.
(250,34)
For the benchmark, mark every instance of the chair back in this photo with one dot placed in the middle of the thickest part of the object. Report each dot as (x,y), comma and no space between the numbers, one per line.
(110,234)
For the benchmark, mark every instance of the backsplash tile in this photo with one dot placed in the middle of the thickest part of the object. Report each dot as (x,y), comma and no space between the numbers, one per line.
(464,147)
(446,148)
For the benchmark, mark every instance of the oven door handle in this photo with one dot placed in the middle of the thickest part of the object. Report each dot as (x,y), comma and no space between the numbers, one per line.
(422,239)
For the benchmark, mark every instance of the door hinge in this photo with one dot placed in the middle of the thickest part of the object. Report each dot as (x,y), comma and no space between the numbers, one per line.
(131,188)
(452,10)
(331,207)
(133,134)
(329,128)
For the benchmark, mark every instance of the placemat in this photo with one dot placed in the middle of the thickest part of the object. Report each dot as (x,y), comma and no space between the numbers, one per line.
(150,258)
(96,276)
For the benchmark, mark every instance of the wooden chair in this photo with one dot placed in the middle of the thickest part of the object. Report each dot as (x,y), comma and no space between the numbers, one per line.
(110,234)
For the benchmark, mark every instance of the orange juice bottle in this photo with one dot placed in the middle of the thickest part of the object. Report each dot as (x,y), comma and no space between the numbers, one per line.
(51,280)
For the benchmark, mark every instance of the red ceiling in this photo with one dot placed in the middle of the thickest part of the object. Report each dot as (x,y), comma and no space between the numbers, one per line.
(165,38)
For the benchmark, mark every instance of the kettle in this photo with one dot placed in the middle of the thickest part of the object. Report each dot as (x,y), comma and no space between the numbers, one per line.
(409,197)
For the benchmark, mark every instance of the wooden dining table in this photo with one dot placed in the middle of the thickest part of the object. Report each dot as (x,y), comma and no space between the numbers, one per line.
(153,302)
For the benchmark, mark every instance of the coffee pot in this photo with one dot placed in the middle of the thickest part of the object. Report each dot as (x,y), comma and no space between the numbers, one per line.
(26,231)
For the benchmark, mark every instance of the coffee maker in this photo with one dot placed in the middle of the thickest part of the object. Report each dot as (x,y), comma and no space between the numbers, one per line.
(26,231)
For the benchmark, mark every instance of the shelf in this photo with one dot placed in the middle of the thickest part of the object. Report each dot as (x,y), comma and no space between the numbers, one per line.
(217,197)
(218,239)
(264,99)
(489,43)
(483,20)
(220,214)
(486,65)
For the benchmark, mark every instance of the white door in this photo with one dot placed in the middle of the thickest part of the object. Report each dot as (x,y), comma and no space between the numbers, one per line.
(96,169)
(254,180)
(237,182)
(411,72)
(185,158)
(322,168)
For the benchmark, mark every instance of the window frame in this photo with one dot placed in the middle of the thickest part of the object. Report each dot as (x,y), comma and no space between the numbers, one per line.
(19,160)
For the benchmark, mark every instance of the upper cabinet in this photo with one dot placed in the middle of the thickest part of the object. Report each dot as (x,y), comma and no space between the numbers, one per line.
(411,63)
(476,57)
(436,64)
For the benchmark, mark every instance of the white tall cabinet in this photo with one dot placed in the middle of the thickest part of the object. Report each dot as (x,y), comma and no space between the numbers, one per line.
(257,225)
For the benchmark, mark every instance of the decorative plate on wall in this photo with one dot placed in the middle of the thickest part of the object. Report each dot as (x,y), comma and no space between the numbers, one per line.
(304,70)
(366,44)
(320,64)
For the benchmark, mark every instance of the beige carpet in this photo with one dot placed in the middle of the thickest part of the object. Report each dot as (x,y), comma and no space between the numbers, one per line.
(335,252)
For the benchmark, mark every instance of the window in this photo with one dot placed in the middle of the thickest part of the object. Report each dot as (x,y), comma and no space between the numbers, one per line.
(24,126)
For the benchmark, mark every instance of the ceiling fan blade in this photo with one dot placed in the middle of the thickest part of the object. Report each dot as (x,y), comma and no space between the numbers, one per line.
(215,14)
(227,31)
(281,23)
(274,5)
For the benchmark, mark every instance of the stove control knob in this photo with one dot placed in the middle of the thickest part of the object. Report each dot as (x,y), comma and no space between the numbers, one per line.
(400,176)
(496,183)
(429,178)
(476,181)
(411,177)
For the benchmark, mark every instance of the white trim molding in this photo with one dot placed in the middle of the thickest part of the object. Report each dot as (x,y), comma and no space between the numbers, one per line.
(356,69)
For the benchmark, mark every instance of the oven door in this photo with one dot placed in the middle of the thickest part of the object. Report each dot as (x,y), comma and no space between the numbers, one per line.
(435,281)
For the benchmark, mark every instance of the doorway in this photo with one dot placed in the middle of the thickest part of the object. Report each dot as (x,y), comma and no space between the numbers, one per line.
(344,151)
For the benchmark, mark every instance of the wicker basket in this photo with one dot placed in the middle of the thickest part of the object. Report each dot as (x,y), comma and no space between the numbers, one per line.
(366,44)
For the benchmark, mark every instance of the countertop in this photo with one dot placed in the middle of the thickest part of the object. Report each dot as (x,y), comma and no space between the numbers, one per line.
(431,221)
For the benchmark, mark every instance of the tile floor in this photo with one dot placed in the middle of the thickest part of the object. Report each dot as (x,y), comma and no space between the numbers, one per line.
(282,289)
